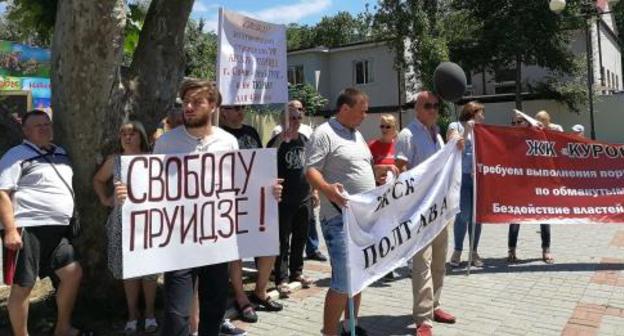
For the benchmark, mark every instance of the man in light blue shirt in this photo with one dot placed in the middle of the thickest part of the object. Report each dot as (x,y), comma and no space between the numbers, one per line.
(419,140)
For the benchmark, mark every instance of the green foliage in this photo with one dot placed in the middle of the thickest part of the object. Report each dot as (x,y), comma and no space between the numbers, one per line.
(332,31)
(298,37)
(415,28)
(135,17)
(29,22)
(571,91)
(309,97)
(618,12)
(200,50)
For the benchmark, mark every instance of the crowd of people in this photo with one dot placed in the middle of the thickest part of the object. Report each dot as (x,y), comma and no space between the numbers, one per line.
(314,168)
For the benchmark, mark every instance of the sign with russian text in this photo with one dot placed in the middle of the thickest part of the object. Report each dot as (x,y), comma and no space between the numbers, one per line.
(529,175)
(385,227)
(191,210)
(251,62)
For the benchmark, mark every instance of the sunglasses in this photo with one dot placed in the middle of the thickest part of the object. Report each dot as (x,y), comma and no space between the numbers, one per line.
(296,118)
(385,126)
(430,106)
(518,122)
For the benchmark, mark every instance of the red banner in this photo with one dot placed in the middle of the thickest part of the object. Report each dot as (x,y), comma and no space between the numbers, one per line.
(527,175)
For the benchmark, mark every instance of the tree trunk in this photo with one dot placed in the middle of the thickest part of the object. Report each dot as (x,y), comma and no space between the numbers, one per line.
(519,82)
(86,53)
(158,63)
(90,98)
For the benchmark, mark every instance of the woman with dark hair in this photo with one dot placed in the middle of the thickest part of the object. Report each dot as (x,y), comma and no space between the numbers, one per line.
(472,113)
(132,141)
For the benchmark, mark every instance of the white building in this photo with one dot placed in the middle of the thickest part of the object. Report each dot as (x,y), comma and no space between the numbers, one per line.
(368,66)
(606,57)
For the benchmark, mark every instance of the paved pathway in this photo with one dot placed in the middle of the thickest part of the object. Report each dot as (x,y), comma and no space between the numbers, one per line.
(581,294)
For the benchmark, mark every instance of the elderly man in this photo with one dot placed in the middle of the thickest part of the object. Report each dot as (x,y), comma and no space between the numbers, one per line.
(338,160)
(36,198)
(312,250)
(294,105)
(419,140)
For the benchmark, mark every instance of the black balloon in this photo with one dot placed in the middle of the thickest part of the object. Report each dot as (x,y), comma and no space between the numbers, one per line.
(450,81)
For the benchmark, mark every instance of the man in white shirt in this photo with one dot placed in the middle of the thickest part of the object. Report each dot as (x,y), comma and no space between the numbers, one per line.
(196,135)
(36,198)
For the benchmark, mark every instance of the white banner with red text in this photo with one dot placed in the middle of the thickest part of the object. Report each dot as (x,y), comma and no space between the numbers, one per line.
(251,60)
(385,227)
(191,210)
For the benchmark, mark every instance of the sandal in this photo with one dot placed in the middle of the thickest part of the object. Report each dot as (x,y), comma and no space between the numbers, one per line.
(266,304)
(151,325)
(547,257)
(283,289)
(246,313)
(305,282)
(511,257)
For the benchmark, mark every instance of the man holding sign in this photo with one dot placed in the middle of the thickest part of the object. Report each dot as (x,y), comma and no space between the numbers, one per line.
(197,135)
(416,143)
(338,160)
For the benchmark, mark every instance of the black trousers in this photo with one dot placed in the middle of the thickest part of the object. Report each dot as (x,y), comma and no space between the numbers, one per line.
(213,291)
(294,220)
(514,230)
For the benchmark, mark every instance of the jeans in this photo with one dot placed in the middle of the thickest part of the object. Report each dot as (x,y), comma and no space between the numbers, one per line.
(334,234)
(213,291)
(293,231)
(312,244)
(463,220)
(514,229)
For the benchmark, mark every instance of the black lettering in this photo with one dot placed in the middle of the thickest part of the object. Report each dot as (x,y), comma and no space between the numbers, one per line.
(373,256)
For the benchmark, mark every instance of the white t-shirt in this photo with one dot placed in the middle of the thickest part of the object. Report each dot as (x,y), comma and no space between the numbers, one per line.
(179,141)
(303,129)
(39,196)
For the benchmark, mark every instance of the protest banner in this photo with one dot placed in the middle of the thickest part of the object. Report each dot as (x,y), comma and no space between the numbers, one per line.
(529,175)
(385,227)
(191,210)
(251,61)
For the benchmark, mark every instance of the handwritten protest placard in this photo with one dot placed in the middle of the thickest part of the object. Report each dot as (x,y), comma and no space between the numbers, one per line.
(251,61)
(191,210)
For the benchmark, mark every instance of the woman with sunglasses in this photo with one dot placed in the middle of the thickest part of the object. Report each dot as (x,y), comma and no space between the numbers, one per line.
(472,113)
(383,147)
(132,141)
(514,229)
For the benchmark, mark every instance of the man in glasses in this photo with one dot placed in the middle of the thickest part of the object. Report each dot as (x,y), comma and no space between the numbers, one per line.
(295,213)
(232,118)
(303,128)
(419,140)
(312,250)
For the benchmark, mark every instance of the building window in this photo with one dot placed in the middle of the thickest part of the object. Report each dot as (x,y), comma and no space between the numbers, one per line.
(613,82)
(617,82)
(295,74)
(363,71)
(608,79)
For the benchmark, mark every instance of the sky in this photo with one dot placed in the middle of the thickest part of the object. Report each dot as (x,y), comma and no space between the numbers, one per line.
(277,11)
